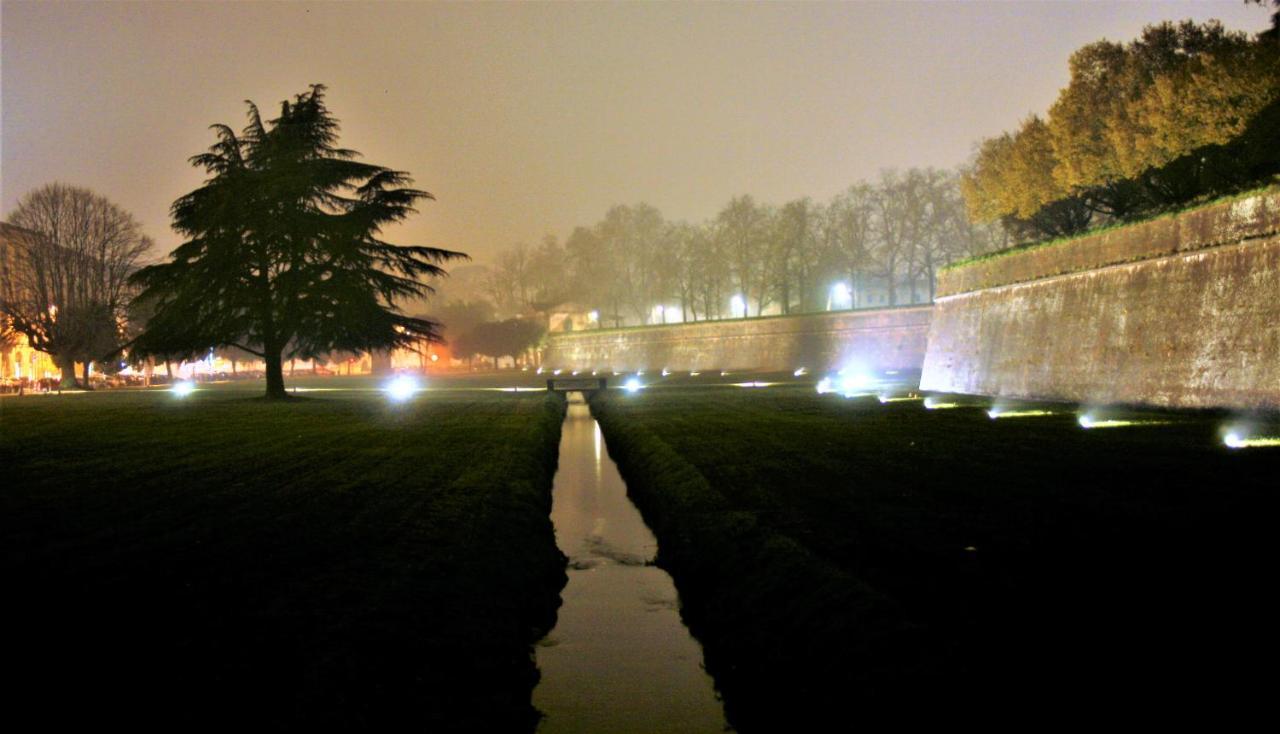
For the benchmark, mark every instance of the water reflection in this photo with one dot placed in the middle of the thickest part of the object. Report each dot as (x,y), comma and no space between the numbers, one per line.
(619,659)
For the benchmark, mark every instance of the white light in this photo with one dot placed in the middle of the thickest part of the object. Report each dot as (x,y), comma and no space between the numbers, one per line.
(639,373)
(574,373)
(932,403)
(556,372)
(401,388)
(694,373)
(665,371)
(801,372)
(593,316)
(824,386)
(538,371)
(738,307)
(852,384)
(182,388)
(632,385)
(840,297)
(1236,439)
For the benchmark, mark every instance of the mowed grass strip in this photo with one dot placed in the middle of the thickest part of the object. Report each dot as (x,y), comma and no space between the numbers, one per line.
(843,555)
(337,560)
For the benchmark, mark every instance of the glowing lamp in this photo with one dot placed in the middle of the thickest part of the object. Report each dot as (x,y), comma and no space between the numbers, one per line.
(401,388)
(182,388)
(632,385)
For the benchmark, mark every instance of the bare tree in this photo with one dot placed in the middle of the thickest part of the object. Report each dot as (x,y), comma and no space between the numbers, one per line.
(65,282)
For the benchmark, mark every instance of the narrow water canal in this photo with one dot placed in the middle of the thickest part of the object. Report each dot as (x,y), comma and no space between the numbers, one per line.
(619,658)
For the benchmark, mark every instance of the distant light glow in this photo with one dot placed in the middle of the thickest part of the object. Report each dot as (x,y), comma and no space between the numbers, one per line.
(898,398)
(556,372)
(182,388)
(738,307)
(995,413)
(1088,420)
(538,371)
(574,373)
(593,316)
(755,384)
(840,297)
(632,385)
(665,371)
(694,373)
(933,403)
(401,388)
(1240,439)
(847,383)
(801,372)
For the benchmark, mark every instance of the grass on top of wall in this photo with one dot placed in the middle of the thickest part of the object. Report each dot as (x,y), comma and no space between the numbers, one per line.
(1106,228)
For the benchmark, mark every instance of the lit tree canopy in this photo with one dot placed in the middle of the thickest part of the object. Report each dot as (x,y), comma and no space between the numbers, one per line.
(1182,112)
(283,254)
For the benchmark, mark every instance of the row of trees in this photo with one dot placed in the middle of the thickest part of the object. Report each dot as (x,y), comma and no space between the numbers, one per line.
(1186,111)
(889,237)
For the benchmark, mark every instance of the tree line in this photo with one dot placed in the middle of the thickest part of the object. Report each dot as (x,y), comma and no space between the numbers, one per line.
(1184,113)
(882,240)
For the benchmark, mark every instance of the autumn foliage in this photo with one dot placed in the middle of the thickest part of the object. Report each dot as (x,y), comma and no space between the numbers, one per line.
(1183,113)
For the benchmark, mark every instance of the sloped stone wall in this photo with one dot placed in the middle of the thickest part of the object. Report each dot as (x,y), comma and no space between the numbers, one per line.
(1179,312)
(879,339)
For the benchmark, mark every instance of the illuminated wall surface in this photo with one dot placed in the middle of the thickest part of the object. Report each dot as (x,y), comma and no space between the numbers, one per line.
(1182,311)
(880,339)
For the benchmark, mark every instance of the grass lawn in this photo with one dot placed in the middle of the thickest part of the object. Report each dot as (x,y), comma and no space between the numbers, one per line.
(838,555)
(337,560)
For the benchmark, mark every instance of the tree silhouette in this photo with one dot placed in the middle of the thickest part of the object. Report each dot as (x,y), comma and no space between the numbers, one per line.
(64,276)
(283,257)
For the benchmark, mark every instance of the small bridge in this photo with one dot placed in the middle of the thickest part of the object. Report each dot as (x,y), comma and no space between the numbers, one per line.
(584,385)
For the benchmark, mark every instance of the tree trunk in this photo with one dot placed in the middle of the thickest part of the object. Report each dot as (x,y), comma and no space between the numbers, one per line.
(67,365)
(275,375)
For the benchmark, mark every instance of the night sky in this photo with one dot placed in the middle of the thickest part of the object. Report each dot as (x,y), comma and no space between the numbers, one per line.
(530,119)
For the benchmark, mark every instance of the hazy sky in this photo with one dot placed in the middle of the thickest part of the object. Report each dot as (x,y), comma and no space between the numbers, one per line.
(528,119)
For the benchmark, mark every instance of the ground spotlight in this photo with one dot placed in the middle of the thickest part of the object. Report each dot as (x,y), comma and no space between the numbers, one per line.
(182,388)
(1241,438)
(401,388)
(801,372)
(632,385)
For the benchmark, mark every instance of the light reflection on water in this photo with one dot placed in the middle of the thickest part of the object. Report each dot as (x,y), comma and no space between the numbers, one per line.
(619,658)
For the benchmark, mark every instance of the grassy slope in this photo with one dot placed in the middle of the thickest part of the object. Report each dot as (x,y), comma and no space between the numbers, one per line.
(333,560)
(1113,564)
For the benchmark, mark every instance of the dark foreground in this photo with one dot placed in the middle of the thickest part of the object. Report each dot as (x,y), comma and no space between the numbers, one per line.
(337,561)
(848,559)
